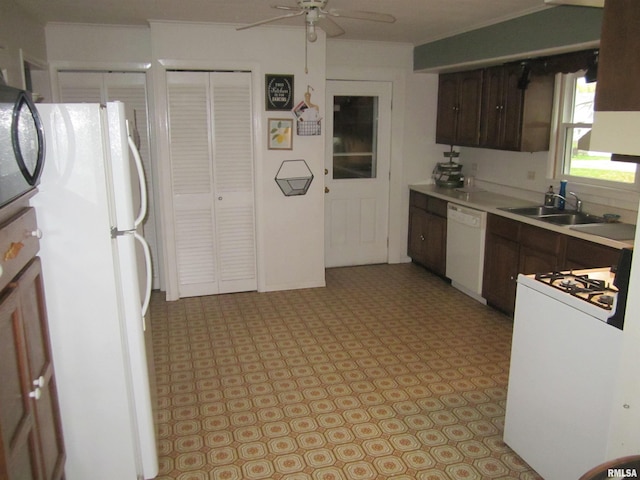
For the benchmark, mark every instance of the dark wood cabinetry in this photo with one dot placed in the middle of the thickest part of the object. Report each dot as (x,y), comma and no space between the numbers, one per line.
(498,107)
(516,109)
(618,64)
(540,250)
(511,248)
(584,254)
(501,262)
(31,446)
(459,104)
(427,244)
(514,247)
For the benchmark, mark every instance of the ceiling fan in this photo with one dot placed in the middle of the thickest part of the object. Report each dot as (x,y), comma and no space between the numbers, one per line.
(317,15)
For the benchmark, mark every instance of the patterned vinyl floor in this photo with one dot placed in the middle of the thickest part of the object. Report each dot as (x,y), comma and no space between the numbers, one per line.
(387,373)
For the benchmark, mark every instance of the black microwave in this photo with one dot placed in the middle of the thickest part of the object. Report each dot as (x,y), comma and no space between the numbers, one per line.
(21,144)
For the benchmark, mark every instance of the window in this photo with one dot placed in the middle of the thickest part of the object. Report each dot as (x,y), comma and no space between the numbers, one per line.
(354,136)
(573,158)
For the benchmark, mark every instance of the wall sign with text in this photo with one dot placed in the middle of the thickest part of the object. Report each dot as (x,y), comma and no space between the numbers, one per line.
(279,92)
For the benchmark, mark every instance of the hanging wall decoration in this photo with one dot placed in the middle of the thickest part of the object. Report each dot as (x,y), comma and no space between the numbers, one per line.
(278,92)
(280,134)
(294,177)
(307,116)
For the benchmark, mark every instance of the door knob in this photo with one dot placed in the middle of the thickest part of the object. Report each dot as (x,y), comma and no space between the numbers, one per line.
(326,189)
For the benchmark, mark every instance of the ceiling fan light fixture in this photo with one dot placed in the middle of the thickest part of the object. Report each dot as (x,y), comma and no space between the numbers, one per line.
(312,35)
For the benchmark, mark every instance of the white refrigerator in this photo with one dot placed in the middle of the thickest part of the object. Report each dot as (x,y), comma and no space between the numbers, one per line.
(97,278)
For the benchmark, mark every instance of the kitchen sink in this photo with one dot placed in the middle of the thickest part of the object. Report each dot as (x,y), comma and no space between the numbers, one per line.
(533,211)
(574,218)
(555,216)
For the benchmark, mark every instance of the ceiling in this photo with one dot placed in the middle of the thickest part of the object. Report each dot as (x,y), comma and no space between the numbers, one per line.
(418,21)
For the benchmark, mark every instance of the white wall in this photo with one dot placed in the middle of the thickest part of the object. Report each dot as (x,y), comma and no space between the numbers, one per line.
(413,150)
(71,45)
(290,230)
(21,38)
(508,173)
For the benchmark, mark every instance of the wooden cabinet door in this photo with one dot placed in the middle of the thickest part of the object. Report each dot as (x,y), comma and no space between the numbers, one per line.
(459,103)
(447,108)
(492,108)
(536,261)
(618,64)
(512,101)
(470,101)
(584,254)
(436,240)
(417,234)
(18,443)
(427,240)
(501,261)
(41,376)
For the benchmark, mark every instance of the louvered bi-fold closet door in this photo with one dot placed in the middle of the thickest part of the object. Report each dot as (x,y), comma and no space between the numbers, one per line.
(211,149)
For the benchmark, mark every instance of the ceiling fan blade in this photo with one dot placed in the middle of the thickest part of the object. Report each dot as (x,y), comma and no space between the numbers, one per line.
(579,3)
(269,20)
(362,15)
(285,7)
(331,28)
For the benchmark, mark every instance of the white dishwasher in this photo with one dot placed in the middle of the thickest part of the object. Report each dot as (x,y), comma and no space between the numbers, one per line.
(466,229)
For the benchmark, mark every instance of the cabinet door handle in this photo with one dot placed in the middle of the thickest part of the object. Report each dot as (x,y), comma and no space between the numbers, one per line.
(36,394)
(422,237)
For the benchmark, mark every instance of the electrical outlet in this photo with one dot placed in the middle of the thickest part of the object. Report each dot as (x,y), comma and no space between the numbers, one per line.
(531,175)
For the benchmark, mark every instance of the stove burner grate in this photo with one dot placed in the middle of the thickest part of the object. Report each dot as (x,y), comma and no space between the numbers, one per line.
(594,291)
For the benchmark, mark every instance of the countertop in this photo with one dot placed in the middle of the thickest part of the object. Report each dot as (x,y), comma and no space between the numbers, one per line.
(492,202)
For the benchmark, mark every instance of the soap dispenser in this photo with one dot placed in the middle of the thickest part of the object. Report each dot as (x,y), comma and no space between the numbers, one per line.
(549,197)
(563,195)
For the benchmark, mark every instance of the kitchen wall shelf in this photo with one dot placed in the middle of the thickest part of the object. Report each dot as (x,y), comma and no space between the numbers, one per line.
(294,177)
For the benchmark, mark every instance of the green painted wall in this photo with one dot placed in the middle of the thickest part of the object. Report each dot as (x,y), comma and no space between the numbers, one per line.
(551,28)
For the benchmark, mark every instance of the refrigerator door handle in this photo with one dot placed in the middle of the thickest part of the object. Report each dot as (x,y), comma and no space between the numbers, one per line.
(147,261)
(141,179)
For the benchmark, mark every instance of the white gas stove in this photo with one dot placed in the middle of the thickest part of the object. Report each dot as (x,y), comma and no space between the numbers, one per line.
(590,291)
(564,355)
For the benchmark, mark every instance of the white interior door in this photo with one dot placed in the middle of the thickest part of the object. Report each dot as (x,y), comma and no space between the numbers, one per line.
(358,126)
(211,151)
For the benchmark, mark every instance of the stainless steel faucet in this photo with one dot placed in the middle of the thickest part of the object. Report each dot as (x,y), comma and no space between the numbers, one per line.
(578,201)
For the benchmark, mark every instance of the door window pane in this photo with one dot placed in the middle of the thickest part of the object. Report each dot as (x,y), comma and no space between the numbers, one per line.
(354,136)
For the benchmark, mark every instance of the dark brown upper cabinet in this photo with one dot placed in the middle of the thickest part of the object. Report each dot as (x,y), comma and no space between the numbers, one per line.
(619,63)
(504,108)
(516,109)
(459,103)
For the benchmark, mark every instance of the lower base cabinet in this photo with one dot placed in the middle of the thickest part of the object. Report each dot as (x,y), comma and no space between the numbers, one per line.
(31,445)
(514,247)
(427,243)
(501,265)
